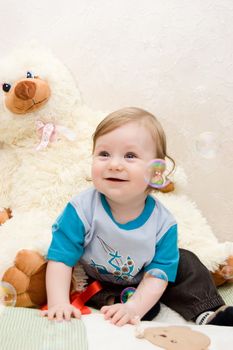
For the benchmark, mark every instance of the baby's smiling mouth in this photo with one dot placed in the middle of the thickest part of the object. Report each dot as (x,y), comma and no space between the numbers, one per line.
(114,179)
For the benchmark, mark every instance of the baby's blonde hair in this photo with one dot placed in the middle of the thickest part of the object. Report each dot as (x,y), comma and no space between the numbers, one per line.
(132,114)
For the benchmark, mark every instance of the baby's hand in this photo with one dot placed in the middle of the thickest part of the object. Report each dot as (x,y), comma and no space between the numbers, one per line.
(120,314)
(61,312)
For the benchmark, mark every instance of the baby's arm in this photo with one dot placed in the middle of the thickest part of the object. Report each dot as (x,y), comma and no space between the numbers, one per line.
(148,292)
(58,279)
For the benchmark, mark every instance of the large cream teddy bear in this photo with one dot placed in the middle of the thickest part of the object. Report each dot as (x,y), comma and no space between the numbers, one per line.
(45,156)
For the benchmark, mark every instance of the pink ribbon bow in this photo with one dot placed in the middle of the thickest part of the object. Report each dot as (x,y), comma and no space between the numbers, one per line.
(49,132)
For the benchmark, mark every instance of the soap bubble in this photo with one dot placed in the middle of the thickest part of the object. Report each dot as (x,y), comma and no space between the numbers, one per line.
(7,294)
(207,144)
(157,273)
(126,294)
(155,174)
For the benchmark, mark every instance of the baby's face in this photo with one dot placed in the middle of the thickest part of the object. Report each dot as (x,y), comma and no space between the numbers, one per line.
(119,162)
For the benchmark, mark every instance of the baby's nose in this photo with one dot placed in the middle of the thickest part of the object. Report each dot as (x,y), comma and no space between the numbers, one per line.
(115,164)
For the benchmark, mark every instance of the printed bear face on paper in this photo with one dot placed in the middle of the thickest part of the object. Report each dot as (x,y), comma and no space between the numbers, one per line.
(177,338)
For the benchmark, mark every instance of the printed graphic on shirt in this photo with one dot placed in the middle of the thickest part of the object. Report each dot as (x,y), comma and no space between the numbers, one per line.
(122,270)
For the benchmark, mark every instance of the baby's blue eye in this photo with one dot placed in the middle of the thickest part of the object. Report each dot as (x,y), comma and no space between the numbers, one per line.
(103,154)
(130,155)
(29,75)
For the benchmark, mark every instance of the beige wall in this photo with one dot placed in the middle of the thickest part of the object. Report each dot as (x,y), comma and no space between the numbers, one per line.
(173,58)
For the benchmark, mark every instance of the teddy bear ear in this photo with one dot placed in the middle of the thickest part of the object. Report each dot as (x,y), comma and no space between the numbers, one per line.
(31,75)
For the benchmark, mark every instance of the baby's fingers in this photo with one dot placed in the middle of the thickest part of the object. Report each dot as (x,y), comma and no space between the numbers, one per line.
(44,313)
(134,320)
(109,311)
(59,315)
(76,312)
(67,315)
(122,321)
(52,314)
(104,309)
(118,316)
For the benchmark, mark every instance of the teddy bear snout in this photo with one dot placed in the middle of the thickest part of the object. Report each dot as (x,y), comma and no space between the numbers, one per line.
(25,90)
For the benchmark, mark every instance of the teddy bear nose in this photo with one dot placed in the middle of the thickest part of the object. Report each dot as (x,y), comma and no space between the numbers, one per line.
(25,90)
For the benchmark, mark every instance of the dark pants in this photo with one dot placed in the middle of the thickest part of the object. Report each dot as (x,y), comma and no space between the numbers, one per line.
(192,293)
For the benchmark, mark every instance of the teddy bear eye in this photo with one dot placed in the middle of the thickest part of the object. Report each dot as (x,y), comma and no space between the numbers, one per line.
(6,87)
(29,75)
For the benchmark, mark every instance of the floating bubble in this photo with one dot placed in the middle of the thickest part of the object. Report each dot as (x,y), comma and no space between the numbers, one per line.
(7,294)
(155,176)
(207,144)
(157,273)
(126,294)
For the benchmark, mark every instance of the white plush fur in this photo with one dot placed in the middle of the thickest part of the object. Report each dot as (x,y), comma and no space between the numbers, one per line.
(37,184)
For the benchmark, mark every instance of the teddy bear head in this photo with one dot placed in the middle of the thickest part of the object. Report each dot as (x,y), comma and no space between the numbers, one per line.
(26,95)
(35,86)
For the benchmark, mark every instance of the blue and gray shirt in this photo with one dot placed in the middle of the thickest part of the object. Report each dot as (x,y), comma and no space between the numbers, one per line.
(87,232)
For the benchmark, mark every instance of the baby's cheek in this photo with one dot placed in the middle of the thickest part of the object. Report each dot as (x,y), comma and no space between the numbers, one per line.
(142,183)
(96,175)
(95,170)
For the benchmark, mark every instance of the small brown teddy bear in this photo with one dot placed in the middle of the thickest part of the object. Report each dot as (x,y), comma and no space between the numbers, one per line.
(27,276)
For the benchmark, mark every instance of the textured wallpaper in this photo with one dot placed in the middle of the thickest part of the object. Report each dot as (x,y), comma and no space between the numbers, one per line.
(174,58)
